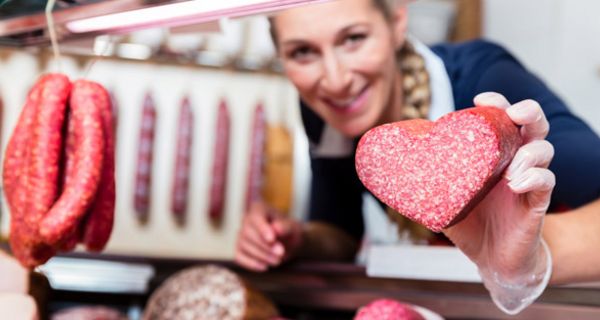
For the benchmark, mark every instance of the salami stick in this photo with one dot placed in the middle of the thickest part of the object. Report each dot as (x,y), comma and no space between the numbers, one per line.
(144,160)
(81,184)
(35,187)
(257,150)
(220,163)
(99,221)
(185,132)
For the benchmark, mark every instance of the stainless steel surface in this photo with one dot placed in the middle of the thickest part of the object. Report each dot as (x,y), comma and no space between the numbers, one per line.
(30,28)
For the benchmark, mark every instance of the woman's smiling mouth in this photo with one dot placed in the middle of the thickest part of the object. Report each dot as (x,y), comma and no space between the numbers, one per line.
(349,105)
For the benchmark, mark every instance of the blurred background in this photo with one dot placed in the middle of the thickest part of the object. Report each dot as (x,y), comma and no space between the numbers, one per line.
(232,62)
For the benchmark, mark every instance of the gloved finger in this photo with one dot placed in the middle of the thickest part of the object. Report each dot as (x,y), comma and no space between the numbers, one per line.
(248,262)
(538,184)
(537,153)
(533,179)
(529,114)
(258,253)
(259,220)
(491,99)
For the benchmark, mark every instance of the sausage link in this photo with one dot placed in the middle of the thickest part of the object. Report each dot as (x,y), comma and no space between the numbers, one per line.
(71,241)
(38,184)
(80,188)
(15,177)
(16,150)
(220,164)
(67,175)
(257,145)
(99,220)
(143,172)
(185,132)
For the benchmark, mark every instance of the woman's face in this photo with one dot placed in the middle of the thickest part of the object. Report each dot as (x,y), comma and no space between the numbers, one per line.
(340,55)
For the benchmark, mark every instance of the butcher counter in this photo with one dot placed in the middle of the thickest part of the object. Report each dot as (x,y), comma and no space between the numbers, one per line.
(301,290)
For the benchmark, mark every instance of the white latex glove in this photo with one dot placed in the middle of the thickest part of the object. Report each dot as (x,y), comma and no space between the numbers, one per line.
(502,234)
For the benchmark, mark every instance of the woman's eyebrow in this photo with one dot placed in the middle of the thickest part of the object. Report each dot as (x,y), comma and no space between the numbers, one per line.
(353,25)
(294,42)
(338,34)
(345,30)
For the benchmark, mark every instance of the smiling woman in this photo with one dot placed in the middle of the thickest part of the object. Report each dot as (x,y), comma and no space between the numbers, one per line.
(346,71)
(355,68)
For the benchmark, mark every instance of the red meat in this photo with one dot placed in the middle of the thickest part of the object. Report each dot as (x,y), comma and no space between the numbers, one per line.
(387,309)
(436,172)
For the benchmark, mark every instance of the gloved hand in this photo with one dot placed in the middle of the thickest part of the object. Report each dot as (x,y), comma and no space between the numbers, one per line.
(502,234)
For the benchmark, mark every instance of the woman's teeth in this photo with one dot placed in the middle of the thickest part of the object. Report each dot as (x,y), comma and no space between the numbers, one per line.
(346,103)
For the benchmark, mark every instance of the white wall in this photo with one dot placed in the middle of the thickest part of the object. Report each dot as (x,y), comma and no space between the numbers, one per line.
(559,40)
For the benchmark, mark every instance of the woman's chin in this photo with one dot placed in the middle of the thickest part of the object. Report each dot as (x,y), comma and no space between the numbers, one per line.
(353,130)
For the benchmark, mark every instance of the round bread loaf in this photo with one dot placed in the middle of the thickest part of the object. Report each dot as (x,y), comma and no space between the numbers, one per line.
(207,293)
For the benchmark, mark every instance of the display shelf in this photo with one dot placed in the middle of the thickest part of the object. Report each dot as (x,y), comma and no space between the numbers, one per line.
(338,288)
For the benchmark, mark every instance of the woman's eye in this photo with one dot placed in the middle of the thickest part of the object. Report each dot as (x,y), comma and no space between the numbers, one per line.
(301,54)
(354,39)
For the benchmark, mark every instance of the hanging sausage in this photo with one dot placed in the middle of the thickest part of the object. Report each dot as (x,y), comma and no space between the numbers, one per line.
(185,132)
(220,164)
(57,170)
(257,150)
(143,171)
(100,218)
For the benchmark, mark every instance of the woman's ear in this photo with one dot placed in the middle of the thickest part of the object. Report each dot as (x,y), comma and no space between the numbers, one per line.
(399,25)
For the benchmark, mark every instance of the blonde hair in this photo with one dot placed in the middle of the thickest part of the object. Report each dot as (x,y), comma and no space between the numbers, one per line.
(385,6)
(415,78)
(415,82)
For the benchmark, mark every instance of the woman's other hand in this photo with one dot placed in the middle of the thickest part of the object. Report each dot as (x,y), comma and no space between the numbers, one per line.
(266,238)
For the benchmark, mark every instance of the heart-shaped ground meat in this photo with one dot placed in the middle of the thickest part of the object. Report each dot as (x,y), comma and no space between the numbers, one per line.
(436,172)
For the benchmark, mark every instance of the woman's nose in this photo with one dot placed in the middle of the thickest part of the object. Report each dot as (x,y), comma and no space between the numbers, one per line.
(337,78)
